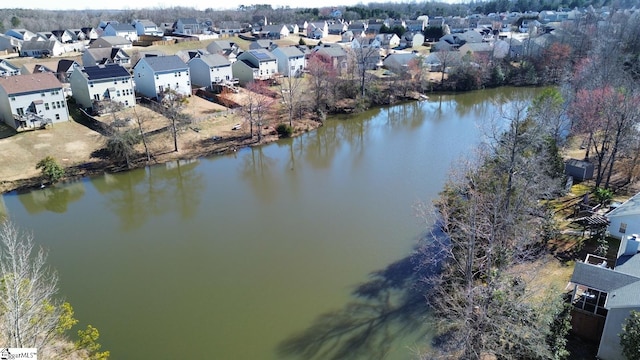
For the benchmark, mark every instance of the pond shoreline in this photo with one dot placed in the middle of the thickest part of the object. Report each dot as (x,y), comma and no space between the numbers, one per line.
(225,145)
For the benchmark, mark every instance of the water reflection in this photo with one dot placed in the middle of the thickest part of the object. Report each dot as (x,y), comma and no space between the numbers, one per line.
(385,309)
(142,194)
(259,170)
(55,199)
(4,213)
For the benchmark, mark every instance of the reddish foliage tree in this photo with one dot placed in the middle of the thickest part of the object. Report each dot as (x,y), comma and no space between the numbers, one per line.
(555,60)
(323,75)
(258,106)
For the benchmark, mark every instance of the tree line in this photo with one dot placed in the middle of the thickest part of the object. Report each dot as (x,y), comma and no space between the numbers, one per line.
(491,220)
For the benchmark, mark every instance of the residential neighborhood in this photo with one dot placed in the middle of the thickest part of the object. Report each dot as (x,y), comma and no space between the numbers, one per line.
(177,143)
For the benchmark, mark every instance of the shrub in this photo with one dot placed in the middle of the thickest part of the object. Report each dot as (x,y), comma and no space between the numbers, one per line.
(284,130)
(51,170)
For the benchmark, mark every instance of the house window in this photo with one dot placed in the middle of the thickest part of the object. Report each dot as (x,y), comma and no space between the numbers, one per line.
(188,83)
(13,98)
(115,82)
(46,106)
(623,228)
(62,103)
(42,94)
(175,74)
(157,76)
(20,111)
(118,93)
(96,97)
(57,116)
(91,85)
(177,85)
(126,103)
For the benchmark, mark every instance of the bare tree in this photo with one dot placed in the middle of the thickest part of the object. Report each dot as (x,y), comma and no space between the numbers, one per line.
(489,220)
(291,90)
(258,106)
(365,57)
(31,314)
(446,57)
(172,105)
(140,120)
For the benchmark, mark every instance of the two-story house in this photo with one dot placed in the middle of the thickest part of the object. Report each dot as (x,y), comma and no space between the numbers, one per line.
(227,28)
(20,34)
(258,64)
(291,61)
(8,69)
(40,48)
(187,26)
(317,30)
(92,86)
(147,27)
(31,101)
(210,69)
(124,30)
(155,75)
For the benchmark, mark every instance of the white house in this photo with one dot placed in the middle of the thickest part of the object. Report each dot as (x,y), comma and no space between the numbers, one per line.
(20,34)
(9,43)
(210,69)
(147,27)
(95,84)
(625,219)
(317,30)
(230,27)
(604,294)
(188,26)
(124,30)
(38,48)
(154,75)
(34,100)
(8,69)
(259,64)
(291,61)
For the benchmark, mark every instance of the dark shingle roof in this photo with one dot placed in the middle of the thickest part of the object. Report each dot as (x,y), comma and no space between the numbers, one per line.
(105,72)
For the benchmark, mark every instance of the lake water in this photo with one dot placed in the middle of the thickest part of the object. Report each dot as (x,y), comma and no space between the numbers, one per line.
(296,249)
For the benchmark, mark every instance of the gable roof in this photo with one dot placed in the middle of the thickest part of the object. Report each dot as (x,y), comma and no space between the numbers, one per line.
(19,84)
(290,51)
(64,65)
(629,207)
(39,45)
(145,23)
(108,71)
(262,55)
(7,66)
(122,27)
(215,60)
(600,278)
(115,40)
(165,63)
(103,54)
(190,21)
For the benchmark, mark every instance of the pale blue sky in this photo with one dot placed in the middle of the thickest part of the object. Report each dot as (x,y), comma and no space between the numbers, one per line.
(198,4)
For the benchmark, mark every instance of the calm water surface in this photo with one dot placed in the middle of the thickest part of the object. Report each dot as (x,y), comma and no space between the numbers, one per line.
(268,253)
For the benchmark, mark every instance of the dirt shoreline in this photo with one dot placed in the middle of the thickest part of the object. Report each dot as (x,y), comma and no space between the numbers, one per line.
(187,151)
